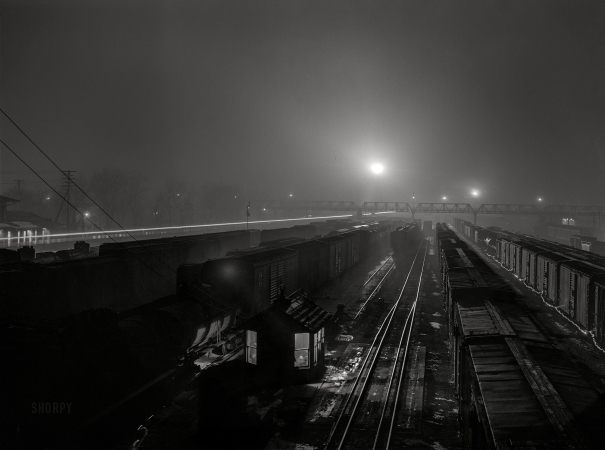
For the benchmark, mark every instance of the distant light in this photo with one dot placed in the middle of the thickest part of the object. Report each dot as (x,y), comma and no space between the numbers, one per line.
(539,199)
(86,214)
(475,193)
(47,198)
(444,198)
(290,195)
(264,209)
(413,197)
(377,168)
(235,196)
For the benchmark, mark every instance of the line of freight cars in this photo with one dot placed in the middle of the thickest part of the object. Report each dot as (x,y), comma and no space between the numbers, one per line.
(98,357)
(515,389)
(117,276)
(405,241)
(570,279)
(251,280)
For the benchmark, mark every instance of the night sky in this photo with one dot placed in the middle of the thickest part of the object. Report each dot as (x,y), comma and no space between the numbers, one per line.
(282,97)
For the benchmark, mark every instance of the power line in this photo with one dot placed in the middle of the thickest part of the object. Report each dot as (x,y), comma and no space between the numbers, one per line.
(88,197)
(124,248)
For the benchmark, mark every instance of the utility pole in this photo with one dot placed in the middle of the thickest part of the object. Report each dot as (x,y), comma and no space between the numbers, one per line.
(247,214)
(19,185)
(67,182)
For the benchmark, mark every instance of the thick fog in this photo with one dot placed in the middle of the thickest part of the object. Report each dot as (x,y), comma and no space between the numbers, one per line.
(267,99)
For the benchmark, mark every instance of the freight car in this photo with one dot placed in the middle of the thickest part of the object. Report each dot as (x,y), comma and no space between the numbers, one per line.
(297,231)
(427,228)
(249,282)
(252,280)
(466,275)
(577,291)
(504,364)
(568,278)
(502,401)
(405,241)
(124,276)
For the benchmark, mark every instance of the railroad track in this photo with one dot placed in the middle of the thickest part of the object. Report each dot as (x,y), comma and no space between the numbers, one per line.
(379,274)
(368,417)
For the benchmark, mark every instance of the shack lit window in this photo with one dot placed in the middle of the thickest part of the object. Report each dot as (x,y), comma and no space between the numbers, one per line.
(251,352)
(301,350)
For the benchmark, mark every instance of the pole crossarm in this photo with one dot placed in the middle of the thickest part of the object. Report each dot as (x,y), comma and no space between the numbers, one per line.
(432,208)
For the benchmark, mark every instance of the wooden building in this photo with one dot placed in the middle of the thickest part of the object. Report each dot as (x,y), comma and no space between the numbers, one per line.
(286,341)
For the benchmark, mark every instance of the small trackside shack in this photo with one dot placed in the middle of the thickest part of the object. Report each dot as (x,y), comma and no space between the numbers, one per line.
(285,342)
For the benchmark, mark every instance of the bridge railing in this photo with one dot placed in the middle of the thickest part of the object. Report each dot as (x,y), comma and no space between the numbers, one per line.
(442,207)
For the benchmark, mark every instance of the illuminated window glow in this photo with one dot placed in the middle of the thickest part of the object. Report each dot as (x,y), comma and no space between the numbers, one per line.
(251,350)
(301,350)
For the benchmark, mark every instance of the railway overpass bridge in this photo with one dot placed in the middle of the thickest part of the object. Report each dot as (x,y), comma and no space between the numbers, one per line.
(541,211)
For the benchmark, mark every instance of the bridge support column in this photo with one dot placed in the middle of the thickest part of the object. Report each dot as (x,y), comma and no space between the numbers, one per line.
(474,218)
(359,213)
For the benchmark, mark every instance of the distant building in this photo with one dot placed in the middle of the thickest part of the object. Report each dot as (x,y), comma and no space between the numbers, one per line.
(22,227)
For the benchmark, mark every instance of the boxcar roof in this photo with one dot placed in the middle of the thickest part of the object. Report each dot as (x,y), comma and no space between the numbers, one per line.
(533,248)
(514,409)
(583,268)
(333,238)
(556,257)
(481,318)
(266,256)
(300,315)
(309,244)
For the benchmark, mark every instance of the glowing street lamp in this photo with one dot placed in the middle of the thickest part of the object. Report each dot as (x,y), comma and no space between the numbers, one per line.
(377,168)
(444,198)
(539,199)
(475,193)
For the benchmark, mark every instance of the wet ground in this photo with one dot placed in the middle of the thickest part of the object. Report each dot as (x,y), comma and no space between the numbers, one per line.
(429,416)
(300,417)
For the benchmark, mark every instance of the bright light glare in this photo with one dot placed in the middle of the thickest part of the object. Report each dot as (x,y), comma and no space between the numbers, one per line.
(444,198)
(475,193)
(540,199)
(377,168)
(107,233)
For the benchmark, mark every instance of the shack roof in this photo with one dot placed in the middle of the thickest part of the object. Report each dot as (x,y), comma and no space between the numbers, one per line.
(297,313)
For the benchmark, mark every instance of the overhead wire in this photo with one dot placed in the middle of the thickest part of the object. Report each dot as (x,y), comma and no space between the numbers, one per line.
(102,231)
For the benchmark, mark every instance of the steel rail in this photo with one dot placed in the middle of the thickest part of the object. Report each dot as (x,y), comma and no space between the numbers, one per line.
(380,334)
(376,271)
(409,328)
(376,289)
(407,347)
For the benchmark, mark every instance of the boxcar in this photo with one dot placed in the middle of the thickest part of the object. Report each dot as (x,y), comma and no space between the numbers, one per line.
(529,264)
(599,322)
(250,282)
(502,402)
(577,291)
(476,321)
(466,277)
(337,254)
(313,259)
(405,241)
(547,280)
